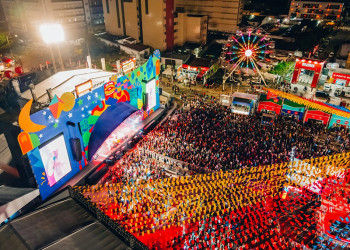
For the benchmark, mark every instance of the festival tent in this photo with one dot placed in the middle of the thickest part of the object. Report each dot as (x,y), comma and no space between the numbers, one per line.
(270,103)
(293,108)
(318,115)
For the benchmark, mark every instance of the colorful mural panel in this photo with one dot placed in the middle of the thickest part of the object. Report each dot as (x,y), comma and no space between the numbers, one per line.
(73,120)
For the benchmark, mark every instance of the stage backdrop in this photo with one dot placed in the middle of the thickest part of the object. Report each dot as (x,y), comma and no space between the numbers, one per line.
(49,136)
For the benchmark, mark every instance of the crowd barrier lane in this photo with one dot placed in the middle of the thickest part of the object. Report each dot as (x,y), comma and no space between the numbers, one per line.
(162,157)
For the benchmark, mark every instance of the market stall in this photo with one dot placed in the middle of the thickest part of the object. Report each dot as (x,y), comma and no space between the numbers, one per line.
(243,103)
(338,120)
(293,109)
(270,103)
(318,115)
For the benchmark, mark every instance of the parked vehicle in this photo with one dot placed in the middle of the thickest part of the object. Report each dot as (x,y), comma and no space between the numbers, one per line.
(322,94)
(327,88)
(338,92)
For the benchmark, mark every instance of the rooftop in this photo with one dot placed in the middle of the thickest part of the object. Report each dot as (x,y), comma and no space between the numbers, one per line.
(199,62)
(183,57)
(138,46)
(323,1)
(245,96)
(66,81)
(62,225)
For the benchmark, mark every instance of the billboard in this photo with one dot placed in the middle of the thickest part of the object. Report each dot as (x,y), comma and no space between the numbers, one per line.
(152,94)
(55,159)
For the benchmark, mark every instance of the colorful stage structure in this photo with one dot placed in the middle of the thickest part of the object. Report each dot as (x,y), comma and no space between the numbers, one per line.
(83,128)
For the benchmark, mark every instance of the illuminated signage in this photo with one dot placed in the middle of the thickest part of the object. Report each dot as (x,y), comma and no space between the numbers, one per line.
(129,65)
(83,87)
(310,65)
(341,76)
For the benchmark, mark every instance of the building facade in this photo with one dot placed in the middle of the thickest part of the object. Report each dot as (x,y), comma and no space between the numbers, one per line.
(76,16)
(154,23)
(316,10)
(224,15)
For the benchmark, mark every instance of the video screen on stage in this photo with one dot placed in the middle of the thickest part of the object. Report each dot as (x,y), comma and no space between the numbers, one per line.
(151,91)
(55,159)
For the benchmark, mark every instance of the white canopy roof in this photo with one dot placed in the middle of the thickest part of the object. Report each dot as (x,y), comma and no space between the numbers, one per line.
(66,81)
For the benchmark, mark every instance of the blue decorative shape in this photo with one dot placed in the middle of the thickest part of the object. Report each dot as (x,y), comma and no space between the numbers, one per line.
(156,53)
(150,68)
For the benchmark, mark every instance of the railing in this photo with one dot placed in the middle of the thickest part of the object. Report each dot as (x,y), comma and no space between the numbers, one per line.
(118,229)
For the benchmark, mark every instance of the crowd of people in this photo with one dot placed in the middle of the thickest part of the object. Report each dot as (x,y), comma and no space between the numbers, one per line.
(241,208)
(210,137)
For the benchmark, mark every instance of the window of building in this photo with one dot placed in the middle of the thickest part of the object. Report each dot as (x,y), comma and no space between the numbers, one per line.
(330,17)
(310,5)
(333,6)
(146,6)
(107,6)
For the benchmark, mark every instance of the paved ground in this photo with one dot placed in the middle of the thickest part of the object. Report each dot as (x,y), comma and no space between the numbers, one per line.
(216,91)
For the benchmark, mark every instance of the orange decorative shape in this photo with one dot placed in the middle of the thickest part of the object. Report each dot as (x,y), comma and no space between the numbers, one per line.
(25,122)
(24,142)
(157,67)
(68,99)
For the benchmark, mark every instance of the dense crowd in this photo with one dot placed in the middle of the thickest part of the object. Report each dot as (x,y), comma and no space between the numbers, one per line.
(210,137)
(239,209)
(140,164)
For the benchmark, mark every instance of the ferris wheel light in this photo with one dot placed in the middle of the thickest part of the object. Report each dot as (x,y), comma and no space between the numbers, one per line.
(248,53)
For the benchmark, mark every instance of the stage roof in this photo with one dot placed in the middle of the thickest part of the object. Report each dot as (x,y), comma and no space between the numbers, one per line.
(66,81)
(62,225)
(106,123)
(245,96)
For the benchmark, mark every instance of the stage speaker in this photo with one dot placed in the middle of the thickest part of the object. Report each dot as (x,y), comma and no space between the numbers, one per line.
(160,91)
(75,143)
(145,103)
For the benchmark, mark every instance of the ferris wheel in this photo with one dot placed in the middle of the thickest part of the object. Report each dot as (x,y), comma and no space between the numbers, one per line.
(245,49)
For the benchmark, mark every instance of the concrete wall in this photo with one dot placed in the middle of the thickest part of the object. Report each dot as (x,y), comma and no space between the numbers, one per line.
(223,15)
(153,25)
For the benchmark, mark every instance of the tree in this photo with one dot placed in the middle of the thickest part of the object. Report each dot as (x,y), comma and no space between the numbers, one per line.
(282,69)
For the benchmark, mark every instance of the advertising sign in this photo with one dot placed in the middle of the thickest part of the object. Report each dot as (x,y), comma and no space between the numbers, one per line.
(83,87)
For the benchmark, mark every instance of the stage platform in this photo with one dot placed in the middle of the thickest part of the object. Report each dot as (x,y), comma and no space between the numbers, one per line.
(13,199)
(79,179)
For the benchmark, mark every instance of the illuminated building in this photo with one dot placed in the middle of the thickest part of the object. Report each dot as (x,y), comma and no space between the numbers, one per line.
(317,10)
(154,23)
(223,15)
(76,17)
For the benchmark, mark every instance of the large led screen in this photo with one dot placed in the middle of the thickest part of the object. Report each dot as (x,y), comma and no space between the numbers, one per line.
(55,159)
(152,95)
